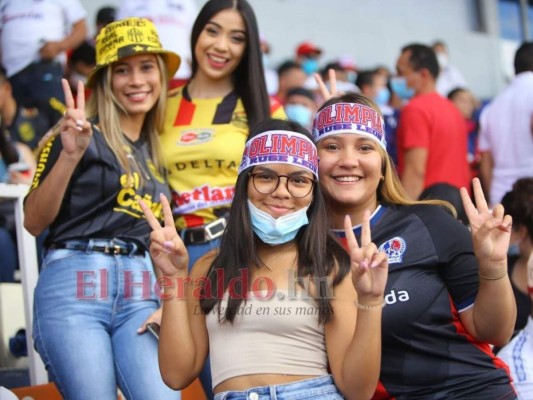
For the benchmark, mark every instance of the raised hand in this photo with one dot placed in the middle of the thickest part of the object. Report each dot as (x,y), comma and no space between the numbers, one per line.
(369,266)
(76,131)
(166,247)
(326,93)
(491,229)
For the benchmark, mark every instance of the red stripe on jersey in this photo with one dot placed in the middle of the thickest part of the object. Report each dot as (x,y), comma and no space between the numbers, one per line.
(185,112)
(381,393)
(192,220)
(275,105)
(344,242)
(483,346)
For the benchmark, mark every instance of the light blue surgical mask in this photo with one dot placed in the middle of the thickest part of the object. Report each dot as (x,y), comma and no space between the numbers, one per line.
(383,97)
(299,113)
(310,65)
(266,60)
(351,76)
(399,86)
(277,230)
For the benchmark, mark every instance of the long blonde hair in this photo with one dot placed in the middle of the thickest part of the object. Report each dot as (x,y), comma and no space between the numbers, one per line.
(104,106)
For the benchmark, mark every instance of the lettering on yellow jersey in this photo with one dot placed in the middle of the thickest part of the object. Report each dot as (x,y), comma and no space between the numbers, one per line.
(202,197)
(128,198)
(209,164)
(41,163)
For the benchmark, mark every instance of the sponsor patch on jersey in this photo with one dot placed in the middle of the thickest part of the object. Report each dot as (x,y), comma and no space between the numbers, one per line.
(394,248)
(195,136)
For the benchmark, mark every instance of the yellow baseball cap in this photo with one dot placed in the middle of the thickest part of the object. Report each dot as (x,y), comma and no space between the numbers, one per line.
(129,37)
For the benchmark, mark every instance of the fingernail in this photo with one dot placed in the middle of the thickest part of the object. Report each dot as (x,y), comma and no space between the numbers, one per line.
(374,264)
(79,128)
(79,122)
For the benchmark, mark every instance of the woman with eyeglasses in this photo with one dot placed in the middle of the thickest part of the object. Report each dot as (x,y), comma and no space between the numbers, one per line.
(282,309)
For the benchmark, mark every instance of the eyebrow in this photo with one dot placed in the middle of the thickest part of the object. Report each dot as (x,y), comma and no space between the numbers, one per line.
(220,27)
(295,173)
(147,59)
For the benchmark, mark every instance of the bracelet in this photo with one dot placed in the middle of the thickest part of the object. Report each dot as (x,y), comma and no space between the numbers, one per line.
(489,278)
(370,307)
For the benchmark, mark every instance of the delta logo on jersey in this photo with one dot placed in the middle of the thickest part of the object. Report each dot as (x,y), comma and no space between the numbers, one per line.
(280,147)
(394,248)
(195,136)
(349,118)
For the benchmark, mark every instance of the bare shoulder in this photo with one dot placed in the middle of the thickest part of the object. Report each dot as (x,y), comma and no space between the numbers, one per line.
(202,265)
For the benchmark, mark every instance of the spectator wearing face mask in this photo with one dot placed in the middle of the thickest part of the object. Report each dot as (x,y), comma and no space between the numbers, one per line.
(432,134)
(373,84)
(300,106)
(449,76)
(308,57)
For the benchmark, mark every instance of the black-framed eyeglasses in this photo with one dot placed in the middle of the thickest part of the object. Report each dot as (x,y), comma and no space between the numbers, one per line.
(297,185)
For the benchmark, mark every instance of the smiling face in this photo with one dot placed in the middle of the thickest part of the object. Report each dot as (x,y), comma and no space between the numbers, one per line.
(280,202)
(221,45)
(350,169)
(136,83)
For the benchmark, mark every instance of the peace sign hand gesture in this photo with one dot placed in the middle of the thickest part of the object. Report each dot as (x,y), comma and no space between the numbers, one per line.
(166,247)
(369,266)
(491,230)
(76,131)
(326,93)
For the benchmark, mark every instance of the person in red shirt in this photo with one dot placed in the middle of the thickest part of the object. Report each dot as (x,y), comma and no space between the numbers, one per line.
(432,134)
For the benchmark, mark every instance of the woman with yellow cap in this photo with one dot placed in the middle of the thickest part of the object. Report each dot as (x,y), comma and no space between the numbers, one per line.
(96,286)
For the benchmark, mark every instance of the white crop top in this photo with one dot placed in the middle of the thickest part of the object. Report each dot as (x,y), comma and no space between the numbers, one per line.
(280,335)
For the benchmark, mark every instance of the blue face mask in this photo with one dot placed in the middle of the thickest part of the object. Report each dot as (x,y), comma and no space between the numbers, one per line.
(266,60)
(310,66)
(299,113)
(399,86)
(351,76)
(277,231)
(382,97)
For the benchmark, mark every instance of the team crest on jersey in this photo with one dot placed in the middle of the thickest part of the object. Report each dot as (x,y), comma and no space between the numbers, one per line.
(195,136)
(394,248)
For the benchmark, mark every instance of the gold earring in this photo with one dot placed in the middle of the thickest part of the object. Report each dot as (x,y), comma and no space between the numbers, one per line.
(382,179)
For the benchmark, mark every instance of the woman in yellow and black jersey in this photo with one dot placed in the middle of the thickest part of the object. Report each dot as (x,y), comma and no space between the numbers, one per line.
(97,284)
(208,120)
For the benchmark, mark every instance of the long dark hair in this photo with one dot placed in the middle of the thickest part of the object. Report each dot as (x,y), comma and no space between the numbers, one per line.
(318,250)
(249,77)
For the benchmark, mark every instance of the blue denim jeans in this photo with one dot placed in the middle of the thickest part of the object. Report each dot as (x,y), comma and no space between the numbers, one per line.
(321,388)
(87,309)
(195,252)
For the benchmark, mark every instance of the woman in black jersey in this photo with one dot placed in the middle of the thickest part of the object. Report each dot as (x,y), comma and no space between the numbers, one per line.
(448,294)
(97,285)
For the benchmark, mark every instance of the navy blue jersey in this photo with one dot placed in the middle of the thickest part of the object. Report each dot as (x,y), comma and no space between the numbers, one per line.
(433,275)
(100,201)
